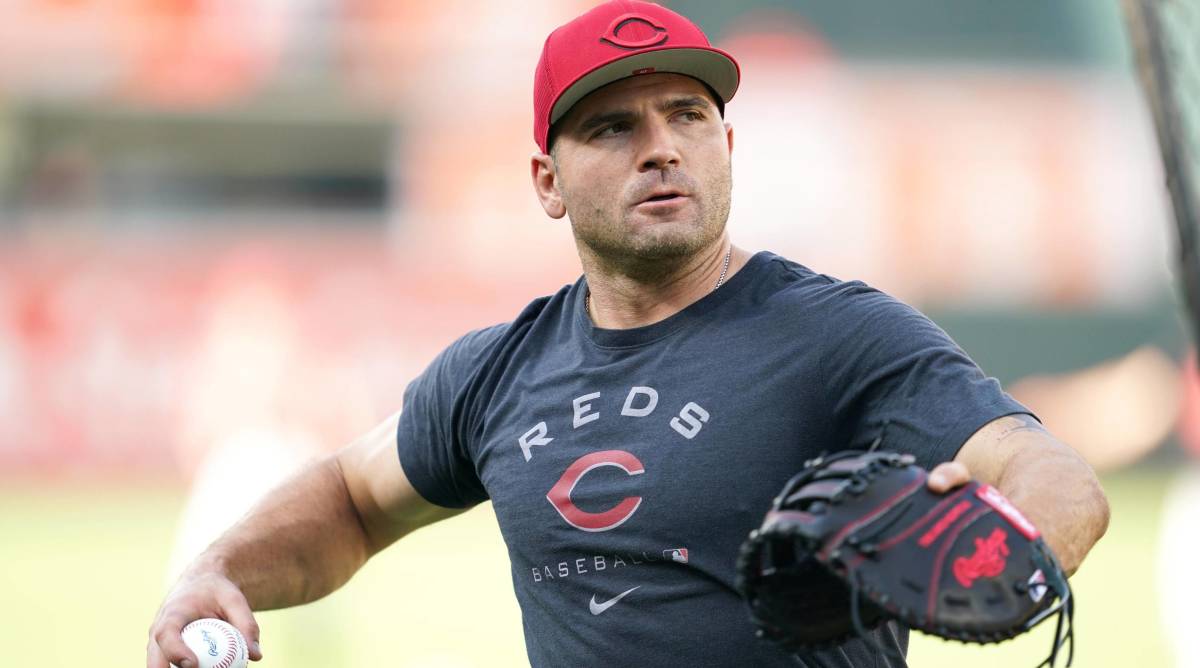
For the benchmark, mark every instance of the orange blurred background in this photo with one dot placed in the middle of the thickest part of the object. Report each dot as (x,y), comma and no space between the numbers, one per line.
(232,231)
(218,213)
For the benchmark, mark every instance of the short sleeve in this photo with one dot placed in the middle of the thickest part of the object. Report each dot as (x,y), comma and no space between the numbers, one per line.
(434,436)
(892,373)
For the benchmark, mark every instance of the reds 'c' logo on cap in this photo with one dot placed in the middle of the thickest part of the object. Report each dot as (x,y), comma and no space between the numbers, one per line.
(621,22)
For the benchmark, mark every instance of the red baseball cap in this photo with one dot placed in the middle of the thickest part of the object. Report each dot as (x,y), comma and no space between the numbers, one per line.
(619,39)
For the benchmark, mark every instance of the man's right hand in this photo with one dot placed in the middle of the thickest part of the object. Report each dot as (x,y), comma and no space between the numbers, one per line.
(196,597)
(302,541)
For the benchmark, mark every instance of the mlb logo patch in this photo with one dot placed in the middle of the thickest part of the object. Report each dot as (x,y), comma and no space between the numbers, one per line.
(1037,586)
(679,554)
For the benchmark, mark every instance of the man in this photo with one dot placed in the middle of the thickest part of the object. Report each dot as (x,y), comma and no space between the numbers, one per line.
(631,429)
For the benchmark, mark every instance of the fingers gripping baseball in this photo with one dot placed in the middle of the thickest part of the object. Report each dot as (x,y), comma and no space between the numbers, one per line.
(236,610)
(197,598)
(166,641)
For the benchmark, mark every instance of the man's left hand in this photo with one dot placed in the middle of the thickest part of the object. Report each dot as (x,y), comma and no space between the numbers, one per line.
(948,475)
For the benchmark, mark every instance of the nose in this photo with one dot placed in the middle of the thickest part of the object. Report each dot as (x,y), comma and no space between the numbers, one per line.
(658,150)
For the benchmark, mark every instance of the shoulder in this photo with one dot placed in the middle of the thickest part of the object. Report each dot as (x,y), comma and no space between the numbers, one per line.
(822,295)
(477,343)
(477,347)
(844,321)
(459,383)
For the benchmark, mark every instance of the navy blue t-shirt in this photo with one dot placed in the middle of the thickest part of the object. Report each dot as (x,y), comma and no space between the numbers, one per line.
(626,467)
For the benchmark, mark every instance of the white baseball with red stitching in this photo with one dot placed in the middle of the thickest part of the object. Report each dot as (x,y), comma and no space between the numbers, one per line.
(216,643)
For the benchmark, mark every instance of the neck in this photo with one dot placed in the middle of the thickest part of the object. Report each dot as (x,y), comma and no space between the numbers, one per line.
(622,300)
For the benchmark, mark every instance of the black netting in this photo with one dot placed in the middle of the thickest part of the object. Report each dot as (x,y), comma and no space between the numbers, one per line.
(1166,40)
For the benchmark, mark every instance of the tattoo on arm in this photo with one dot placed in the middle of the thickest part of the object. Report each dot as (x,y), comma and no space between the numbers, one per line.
(1020,422)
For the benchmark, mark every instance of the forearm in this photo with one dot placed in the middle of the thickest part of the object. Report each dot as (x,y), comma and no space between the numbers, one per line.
(306,539)
(303,541)
(1042,476)
(1059,493)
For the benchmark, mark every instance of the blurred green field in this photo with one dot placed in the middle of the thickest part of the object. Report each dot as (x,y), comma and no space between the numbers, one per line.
(82,574)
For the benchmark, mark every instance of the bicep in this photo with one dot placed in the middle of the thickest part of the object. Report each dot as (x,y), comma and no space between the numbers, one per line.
(387,503)
(894,374)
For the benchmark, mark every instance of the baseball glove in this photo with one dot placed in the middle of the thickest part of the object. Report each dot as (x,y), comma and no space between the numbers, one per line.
(857,539)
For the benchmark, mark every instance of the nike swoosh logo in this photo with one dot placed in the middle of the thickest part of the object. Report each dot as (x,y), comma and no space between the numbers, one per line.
(598,608)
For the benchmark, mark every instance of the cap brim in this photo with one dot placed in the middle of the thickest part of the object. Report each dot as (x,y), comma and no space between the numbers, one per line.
(712,66)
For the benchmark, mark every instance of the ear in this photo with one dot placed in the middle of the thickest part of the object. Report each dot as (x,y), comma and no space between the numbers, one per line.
(545,184)
(729,136)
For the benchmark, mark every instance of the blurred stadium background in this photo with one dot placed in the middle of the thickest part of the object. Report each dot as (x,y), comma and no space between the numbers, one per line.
(231,232)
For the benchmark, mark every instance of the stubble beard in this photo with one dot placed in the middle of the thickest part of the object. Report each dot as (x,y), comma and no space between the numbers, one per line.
(656,249)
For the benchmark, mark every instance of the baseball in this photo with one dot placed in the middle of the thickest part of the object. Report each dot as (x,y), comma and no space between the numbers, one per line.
(217,644)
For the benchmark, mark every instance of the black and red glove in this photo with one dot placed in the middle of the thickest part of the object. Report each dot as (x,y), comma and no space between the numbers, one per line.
(857,538)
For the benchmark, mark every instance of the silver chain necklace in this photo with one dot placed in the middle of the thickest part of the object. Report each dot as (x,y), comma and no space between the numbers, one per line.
(587,300)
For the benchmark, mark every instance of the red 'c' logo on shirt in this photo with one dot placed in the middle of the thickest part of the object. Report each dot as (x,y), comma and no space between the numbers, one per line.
(559,495)
(624,21)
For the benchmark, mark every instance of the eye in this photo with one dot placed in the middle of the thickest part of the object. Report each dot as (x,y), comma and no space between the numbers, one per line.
(691,116)
(613,130)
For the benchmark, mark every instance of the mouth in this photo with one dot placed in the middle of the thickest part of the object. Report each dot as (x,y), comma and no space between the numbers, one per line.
(663,197)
